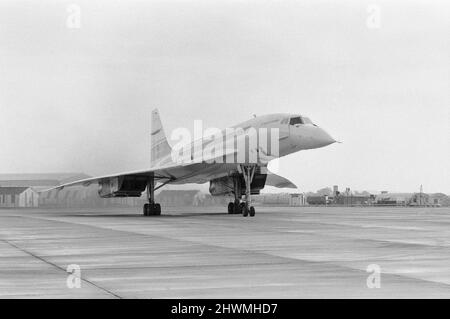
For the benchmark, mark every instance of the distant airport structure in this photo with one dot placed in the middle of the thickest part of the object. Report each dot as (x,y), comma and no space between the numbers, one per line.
(22,190)
(281,199)
(327,196)
(18,197)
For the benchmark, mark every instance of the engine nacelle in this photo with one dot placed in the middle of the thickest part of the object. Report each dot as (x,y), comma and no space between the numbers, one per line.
(122,186)
(225,185)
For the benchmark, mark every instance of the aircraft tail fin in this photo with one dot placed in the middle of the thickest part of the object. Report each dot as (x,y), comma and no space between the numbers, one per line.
(159,145)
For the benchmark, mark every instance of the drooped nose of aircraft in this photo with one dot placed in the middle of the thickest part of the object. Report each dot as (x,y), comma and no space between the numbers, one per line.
(322,138)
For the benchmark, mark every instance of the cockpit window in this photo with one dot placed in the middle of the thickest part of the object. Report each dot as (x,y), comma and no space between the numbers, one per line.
(295,120)
(306,120)
(300,120)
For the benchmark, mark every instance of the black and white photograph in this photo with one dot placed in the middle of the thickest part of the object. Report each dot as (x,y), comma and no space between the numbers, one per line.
(241,151)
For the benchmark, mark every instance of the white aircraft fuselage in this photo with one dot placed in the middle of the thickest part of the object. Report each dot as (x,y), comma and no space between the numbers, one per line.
(291,138)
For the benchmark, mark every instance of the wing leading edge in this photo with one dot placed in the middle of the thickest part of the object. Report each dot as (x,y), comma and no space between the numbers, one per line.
(278,181)
(181,174)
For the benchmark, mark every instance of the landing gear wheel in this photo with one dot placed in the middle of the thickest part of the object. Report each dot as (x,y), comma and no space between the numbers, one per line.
(245,211)
(248,171)
(237,207)
(157,209)
(146,209)
(230,208)
(152,209)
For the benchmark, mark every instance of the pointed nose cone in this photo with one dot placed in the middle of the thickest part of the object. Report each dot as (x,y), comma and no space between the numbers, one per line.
(324,139)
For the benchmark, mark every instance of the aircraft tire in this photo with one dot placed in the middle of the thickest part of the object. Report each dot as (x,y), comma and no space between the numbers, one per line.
(157,209)
(230,208)
(252,211)
(237,207)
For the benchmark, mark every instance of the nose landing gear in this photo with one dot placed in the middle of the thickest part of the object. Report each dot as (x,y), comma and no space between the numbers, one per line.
(243,207)
(249,172)
(248,211)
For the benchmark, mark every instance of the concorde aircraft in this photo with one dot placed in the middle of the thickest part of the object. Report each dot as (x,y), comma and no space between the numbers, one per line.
(234,161)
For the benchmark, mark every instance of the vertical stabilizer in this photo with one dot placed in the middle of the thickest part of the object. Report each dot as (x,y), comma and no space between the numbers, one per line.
(160,148)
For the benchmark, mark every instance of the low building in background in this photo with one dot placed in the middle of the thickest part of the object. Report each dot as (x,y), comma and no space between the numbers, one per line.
(297,199)
(280,199)
(352,199)
(433,200)
(412,199)
(392,199)
(317,200)
(177,197)
(18,197)
(440,199)
(22,190)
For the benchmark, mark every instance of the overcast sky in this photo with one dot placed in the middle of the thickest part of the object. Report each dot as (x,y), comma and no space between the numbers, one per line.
(79,99)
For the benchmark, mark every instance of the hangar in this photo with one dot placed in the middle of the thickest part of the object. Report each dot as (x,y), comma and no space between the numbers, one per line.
(18,197)
(22,190)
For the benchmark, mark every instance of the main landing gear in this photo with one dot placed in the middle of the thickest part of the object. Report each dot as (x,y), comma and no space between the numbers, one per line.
(235,207)
(151,208)
(244,207)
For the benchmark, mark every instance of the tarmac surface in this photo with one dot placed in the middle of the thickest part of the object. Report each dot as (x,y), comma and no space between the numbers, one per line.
(289,252)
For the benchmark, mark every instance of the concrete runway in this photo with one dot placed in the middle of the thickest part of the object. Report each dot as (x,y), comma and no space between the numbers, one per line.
(301,252)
